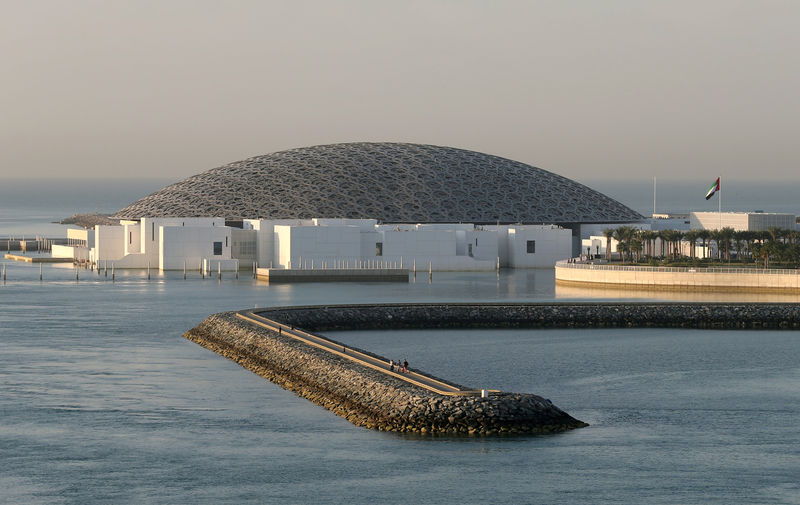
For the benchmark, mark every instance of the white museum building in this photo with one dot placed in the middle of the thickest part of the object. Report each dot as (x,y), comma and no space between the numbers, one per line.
(207,243)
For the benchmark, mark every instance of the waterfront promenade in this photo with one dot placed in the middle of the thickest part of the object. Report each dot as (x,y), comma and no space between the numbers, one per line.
(678,278)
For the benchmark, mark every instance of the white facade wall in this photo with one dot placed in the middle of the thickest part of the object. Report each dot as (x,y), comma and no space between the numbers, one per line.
(77,253)
(446,226)
(266,248)
(80,237)
(419,243)
(363,225)
(307,246)
(396,227)
(550,244)
(336,243)
(742,221)
(108,243)
(244,246)
(502,241)
(436,248)
(192,245)
(299,246)
(367,247)
(283,246)
(711,220)
(671,223)
(133,237)
(483,244)
(150,235)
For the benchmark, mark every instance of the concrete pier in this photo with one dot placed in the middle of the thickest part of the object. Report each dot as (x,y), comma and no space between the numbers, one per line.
(37,259)
(333,275)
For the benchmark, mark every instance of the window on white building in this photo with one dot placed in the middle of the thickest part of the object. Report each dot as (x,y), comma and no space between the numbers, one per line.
(531,246)
(379,249)
(217,248)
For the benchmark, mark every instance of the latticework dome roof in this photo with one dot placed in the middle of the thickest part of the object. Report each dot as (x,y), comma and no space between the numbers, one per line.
(391,182)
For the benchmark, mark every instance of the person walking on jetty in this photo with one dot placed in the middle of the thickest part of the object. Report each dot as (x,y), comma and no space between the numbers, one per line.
(391,366)
(405,365)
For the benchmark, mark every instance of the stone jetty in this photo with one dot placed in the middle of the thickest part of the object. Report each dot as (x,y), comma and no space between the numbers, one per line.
(373,399)
(543,315)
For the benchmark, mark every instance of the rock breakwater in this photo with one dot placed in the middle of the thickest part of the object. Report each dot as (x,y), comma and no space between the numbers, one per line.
(372,399)
(368,397)
(543,315)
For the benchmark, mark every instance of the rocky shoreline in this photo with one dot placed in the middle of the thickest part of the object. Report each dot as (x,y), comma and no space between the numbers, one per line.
(368,397)
(542,315)
(371,399)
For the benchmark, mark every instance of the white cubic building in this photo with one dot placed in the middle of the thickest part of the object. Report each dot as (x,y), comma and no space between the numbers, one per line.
(207,243)
(79,242)
(741,221)
(164,243)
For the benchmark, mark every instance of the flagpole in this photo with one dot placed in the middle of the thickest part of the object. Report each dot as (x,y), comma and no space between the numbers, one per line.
(719,202)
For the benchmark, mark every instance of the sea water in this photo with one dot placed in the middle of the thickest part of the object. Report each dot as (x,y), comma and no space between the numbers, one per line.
(102,401)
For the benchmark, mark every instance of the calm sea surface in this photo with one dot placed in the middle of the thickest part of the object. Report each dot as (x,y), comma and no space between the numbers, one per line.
(102,401)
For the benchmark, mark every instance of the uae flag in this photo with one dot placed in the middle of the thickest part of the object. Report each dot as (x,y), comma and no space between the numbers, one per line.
(713,189)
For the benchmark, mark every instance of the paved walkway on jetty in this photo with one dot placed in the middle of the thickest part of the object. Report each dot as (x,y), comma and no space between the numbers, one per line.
(359,357)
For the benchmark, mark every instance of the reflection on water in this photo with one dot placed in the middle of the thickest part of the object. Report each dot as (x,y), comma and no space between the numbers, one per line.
(102,401)
(608,293)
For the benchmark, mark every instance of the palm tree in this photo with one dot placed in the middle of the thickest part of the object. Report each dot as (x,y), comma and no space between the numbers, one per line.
(609,234)
(636,245)
(672,239)
(664,235)
(725,236)
(650,237)
(678,237)
(624,235)
(739,240)
(714,236)
(619,236)
(691,237)
(704,235)
(775,233)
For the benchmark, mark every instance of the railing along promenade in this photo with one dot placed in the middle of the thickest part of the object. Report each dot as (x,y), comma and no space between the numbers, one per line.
(588,265)
(588,273)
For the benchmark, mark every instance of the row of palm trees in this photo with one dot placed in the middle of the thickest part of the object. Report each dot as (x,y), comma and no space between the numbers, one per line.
(775,244)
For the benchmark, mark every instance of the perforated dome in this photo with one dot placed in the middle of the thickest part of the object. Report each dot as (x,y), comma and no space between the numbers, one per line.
(391,182)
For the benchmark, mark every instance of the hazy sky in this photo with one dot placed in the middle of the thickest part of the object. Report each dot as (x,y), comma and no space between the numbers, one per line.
(627,89)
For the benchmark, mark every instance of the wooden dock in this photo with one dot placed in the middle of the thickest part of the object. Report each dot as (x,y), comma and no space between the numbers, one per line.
(37,259)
